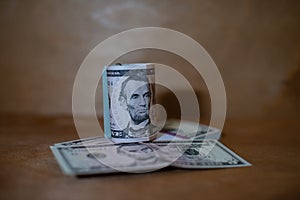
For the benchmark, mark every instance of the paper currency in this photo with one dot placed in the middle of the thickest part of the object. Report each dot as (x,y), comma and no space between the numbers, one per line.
(107,158)
(171,127)
(85,142)
(128,96)
(172,147)
(170,131)
(203,154)
(144,157)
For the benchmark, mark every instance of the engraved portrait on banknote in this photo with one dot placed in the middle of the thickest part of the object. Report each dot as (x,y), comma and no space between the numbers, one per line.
(131,95)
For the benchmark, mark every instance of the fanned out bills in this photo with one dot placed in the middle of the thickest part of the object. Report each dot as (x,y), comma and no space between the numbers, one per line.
(143,157)
(99,155)
(170,131)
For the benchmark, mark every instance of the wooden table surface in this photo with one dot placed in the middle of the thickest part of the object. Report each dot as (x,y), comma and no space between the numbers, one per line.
(30,171)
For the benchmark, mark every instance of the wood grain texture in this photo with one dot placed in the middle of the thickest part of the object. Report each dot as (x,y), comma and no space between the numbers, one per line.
(28,169)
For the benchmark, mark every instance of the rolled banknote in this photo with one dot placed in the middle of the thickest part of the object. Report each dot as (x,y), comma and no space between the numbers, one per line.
(128,93)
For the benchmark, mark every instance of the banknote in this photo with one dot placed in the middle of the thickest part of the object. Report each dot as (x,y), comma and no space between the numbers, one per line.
(85,141)
(170,131)
(108,158)
(145,157)
(128,93)
(185,131)
(202,154)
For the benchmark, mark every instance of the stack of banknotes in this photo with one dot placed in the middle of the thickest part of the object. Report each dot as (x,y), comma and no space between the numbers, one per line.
(171,148)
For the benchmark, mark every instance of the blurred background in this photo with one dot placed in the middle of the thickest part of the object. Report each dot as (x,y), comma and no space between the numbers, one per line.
(254,43)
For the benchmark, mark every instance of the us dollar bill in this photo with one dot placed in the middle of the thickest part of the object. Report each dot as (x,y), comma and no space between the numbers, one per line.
(145,157)
(202,154)
(128,93)
(107,158)
(186,131)
(85,141)
(128,98)
(170,131)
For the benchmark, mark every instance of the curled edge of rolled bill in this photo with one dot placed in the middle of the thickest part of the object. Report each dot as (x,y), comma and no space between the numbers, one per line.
(121,85)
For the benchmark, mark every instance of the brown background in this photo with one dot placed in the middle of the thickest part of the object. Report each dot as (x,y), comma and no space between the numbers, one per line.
(255,44)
